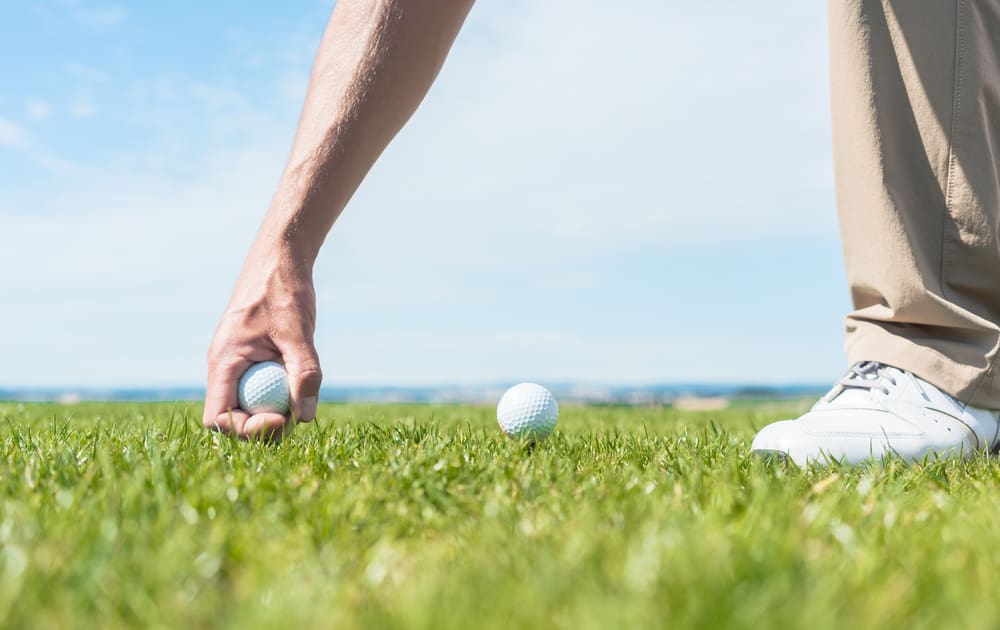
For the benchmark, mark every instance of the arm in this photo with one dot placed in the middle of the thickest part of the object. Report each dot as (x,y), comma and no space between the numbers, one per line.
(376,61)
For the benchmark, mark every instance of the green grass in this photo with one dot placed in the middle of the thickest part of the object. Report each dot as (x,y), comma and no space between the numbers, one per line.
(121,515)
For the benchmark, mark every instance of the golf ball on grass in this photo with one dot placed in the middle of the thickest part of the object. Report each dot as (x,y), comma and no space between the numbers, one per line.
(264,388)
(527,411)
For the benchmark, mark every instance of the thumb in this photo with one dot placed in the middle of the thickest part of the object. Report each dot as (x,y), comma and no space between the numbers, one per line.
(304,379)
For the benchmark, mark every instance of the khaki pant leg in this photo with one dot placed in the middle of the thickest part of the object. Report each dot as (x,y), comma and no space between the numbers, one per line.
(916,121)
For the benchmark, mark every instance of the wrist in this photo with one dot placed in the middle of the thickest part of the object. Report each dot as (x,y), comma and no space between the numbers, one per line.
(301,214)
(280,257)
(273,273)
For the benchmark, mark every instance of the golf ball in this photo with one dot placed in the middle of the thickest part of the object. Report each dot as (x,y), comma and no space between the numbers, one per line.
(264,388)
(527,411)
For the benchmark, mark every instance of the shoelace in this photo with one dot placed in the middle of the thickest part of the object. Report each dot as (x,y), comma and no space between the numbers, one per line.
(869,375)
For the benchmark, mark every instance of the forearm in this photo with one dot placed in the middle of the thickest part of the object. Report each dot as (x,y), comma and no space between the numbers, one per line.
(376,62)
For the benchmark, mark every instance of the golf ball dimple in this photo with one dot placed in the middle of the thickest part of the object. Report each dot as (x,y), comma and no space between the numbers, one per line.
(527,411)
(264,388)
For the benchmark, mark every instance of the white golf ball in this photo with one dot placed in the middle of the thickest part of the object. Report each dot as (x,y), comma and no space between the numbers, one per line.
(264,388)
(527,411)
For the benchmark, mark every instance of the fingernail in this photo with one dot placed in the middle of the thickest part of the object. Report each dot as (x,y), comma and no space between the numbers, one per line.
(308,408)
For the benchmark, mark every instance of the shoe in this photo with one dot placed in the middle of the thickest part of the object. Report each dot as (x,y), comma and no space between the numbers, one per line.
(876,411)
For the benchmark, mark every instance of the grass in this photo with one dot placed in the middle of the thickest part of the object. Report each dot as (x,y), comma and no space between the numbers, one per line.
(123,515)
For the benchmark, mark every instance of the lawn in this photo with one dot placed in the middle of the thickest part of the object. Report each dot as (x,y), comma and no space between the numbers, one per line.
(383,516)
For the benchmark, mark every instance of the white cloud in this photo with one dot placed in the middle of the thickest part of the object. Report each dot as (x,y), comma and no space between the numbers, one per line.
(562,135)
(553,356)
(142,229)
(128,270)
(95,15)
(10,134)
(575,123)
(86,74)
(38,110)
(16,140)
(82,107)
(132,257)
(291,87)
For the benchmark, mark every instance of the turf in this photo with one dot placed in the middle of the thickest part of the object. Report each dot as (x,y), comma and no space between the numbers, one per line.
(121,515)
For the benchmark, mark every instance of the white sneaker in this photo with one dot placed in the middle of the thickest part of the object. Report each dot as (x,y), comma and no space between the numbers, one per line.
(878,410)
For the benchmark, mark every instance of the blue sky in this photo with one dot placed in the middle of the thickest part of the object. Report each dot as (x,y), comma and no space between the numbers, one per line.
(587,194)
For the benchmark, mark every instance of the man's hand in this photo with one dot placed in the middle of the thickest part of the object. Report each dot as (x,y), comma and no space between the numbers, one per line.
(375,63)
(271,317)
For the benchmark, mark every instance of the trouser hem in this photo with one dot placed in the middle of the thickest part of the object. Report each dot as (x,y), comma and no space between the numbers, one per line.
(975,386)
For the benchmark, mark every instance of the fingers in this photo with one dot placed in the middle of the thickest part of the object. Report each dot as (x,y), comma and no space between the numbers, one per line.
(222,412)
(304,380)
(269,318)
(221,395)
(270,427)
(228,421)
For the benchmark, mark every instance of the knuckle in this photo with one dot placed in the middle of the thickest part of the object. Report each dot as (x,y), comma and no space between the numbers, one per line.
(226,365)
(309,376)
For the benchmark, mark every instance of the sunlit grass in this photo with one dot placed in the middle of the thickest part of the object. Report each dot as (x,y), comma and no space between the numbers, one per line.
(125,515)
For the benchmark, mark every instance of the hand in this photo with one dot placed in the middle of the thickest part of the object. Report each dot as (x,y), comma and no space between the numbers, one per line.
(375,64)
(271,317)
